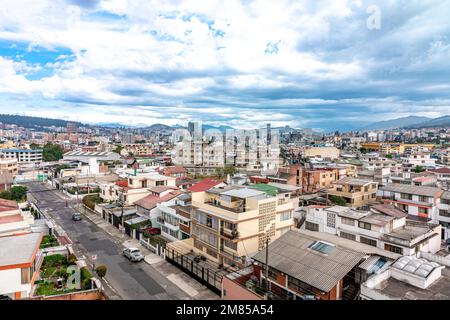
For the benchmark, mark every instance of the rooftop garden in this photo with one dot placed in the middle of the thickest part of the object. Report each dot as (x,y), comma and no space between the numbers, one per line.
(54,276)
(49,241)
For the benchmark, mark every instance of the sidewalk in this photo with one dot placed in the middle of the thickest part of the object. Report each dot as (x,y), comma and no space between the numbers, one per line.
(190,286)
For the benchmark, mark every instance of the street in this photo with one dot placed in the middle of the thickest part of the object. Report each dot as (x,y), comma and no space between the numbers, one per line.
(138,281)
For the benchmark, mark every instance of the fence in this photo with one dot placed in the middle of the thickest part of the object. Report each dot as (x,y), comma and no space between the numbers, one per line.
(207,276)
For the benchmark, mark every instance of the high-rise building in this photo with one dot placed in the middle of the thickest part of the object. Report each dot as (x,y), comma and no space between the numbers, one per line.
(71,127)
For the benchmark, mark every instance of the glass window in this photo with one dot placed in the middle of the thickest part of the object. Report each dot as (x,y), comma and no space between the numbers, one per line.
(311,226)
(331,220)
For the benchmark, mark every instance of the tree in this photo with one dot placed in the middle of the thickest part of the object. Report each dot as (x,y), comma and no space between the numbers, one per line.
(52,152)
(18,193)
(338,200)
(101,271)
(363,150)
(389,156)
(34,146)
(419,169)
(118,148)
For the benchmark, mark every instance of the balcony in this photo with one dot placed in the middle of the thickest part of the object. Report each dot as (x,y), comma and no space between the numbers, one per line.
(230,234)
(236,209)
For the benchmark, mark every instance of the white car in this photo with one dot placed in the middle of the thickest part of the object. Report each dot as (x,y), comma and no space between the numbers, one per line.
(133,254)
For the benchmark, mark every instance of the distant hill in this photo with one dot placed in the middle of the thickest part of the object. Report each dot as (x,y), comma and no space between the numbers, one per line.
(433,123)
(33,122)
(396,123)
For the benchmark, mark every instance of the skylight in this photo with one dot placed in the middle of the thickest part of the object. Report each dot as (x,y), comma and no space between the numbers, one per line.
(322,247)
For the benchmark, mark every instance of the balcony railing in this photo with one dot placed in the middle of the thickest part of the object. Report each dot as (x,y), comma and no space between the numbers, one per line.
(230,234)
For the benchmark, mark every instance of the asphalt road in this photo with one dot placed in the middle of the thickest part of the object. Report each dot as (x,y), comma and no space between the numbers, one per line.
(136,281)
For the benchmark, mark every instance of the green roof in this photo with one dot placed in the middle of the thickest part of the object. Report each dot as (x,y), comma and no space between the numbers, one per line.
(270,190)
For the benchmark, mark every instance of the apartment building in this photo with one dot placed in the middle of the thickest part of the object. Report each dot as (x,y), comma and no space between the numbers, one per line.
(419,159)
(9,165)
(444,214)
(23,156)
(383,226)
(20,261)
(136,149)
(419,202)
(328,153)
(174,217)
(229,224)
(356,192)
(380,175)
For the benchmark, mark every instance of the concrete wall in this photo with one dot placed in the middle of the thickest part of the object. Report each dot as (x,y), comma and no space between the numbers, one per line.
(234,291)
(10,282)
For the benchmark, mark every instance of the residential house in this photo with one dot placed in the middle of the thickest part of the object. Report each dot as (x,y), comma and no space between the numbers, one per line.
(356,192)
(20,261)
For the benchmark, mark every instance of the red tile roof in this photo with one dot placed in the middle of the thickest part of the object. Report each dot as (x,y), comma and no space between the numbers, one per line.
(204,185)
(150,201)
(8,205)
(11,218)
(441,170)
(122,183)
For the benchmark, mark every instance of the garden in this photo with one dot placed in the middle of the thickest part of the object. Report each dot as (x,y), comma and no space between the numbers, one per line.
(49,241)
(54,276)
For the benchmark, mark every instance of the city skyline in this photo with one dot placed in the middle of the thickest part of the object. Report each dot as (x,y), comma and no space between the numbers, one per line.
(302,64)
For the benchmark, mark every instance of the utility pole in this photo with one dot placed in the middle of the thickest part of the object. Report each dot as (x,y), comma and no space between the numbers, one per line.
(267,263)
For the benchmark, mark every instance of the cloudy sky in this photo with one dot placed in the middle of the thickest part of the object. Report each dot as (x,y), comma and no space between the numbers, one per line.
(242,63)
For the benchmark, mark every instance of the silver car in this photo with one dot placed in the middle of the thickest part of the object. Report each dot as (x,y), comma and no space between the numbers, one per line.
(133,254)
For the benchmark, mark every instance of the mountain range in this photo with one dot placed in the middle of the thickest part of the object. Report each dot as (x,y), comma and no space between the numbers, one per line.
(409,122)
(405,122)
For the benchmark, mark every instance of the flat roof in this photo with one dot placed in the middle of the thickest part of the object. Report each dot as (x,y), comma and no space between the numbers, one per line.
(438,290)
(19,249)
(243,193)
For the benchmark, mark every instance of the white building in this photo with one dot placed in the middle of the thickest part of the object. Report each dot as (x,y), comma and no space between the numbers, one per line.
(384,227)
(23,156)
(20,260)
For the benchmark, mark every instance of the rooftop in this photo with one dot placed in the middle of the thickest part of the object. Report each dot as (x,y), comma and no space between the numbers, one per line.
(244,193)
(317,263)
(389,210)
(410,189)
(205,185)
(19,249)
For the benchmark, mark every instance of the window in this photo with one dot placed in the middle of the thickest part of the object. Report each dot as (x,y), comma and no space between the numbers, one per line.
(331,220)
(368,241)
(392,248)
(444,213)
(406,196)
(423,199)
(285,216)
(25,275)
(348,221)
(348,236)
(311,226)
(365,225)
(423,211)
(322,247)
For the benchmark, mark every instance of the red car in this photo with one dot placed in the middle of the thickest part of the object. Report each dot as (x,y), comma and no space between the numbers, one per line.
(154,231)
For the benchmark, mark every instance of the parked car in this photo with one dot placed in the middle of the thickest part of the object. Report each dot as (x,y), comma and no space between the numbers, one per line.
(76,216)
(154,231)
(133,254)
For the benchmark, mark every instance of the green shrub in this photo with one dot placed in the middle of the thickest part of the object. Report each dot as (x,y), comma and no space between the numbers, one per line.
(55,260)
(101,271)
(71,260)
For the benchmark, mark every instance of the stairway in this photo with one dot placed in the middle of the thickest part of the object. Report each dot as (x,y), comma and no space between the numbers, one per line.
(351,293)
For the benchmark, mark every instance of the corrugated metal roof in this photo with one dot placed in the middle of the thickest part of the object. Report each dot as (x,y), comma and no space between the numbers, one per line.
(369,262)
(410,189)
(291,254)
